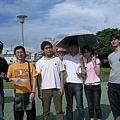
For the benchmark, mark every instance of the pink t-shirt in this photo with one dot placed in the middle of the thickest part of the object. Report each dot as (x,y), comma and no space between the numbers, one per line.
(91,74)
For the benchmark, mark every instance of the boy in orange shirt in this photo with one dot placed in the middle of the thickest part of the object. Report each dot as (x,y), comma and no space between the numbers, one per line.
(21,73)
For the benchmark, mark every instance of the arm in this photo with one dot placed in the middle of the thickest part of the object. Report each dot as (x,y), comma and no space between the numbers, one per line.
(61,91)
(16,80)
(82,66)
(39,80)
(96,66)
(32,95)
(34,84)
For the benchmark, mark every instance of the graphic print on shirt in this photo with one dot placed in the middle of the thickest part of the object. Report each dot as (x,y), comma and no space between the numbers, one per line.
(22,74)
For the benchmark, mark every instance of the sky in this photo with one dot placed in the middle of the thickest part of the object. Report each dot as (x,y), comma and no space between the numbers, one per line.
(53,19)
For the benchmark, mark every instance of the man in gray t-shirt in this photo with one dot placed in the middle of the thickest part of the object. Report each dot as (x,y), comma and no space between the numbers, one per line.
(114,78)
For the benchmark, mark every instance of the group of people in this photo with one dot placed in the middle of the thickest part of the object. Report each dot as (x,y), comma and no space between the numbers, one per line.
(79,69)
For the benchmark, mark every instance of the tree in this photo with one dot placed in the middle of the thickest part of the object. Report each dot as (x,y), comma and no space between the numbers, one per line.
(104,48)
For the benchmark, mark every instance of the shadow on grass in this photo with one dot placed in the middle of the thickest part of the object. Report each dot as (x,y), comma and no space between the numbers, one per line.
(105,112)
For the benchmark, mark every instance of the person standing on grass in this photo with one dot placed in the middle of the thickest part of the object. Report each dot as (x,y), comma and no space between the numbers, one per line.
(92,86)
(3,72)
(114,78)
(73,82)
(23,74)
(50,81)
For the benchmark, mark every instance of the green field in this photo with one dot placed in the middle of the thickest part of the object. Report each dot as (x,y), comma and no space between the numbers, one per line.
(104,76)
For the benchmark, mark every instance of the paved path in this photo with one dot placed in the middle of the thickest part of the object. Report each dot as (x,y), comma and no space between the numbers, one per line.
(107,115)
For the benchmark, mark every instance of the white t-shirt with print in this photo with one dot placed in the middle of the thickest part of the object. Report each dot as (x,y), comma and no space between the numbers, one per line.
(50,71)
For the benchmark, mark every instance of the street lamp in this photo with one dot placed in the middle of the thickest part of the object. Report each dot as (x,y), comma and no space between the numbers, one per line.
(22,17)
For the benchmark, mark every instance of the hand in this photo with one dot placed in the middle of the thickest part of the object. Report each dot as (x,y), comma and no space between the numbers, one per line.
(17,80)
(61,91)
(3,75)
(81,57)
(94,58)
(40,95)
(31,97)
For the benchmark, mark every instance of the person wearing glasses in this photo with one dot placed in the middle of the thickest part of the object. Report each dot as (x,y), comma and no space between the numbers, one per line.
(23,74)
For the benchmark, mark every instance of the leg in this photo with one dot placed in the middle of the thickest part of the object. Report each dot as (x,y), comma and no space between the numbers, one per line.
(18,115)
(1,106)
(69,99)
(89,97)
(78,91)
(58,104)
(96,98)
(114,98)
(46,102)
(31,114)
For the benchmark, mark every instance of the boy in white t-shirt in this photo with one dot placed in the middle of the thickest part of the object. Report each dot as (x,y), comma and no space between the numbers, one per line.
(73,82)
(50,81)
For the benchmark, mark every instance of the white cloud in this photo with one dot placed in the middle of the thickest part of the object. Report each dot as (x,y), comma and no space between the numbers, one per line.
(52,18)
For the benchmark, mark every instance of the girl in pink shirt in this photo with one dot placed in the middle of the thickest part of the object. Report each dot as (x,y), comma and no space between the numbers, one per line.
(92,85)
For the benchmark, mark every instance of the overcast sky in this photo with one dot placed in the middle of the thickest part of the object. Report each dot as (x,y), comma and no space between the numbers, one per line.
(53,18)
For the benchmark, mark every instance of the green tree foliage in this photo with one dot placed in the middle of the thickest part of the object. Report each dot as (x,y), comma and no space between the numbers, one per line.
(104,48)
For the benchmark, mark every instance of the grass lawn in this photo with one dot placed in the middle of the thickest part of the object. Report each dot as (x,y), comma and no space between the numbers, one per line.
(8,85)
(104,76)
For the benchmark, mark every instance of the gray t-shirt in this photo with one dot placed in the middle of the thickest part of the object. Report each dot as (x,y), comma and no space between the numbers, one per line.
(114,61)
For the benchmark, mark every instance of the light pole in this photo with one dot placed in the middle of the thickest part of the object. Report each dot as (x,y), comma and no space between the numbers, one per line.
(22,17)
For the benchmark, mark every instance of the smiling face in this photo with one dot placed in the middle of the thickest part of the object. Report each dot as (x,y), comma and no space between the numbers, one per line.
(115,42)
(20,55)
(87,54)
(73,49)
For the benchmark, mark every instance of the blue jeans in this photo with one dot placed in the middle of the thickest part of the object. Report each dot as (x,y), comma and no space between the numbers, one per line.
(93,95)
(74,89)
(1,106)
(114,98)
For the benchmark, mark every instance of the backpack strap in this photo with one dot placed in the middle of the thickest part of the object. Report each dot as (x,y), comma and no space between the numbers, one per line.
(29,73)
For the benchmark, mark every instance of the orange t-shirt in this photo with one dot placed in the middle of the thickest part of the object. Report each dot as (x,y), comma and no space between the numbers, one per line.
(15,70)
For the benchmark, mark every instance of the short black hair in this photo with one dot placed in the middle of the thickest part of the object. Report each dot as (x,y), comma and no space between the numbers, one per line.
(88,48)
(73,42)
(43,44)
(19,47)
(114,36)
(1,44)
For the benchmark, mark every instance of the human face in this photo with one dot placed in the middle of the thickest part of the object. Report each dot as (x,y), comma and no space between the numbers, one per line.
(20,55)
(73,49)
(48,50)
(87,54)
(0,49)
(115,42)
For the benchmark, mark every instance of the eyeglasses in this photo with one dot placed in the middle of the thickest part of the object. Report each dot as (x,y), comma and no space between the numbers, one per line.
(19,53)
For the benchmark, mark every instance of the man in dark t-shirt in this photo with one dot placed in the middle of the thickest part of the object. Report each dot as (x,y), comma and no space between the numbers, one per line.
(3,72)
